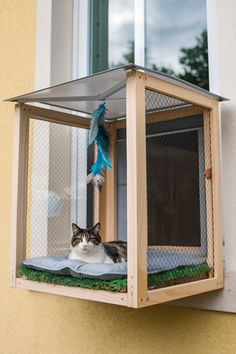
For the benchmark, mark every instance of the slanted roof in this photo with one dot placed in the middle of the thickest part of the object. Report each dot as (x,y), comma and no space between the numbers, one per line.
(85,94)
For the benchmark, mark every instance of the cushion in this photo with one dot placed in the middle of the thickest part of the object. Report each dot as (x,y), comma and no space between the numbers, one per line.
(158,261)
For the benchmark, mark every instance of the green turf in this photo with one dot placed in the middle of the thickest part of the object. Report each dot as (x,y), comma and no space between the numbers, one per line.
(118,285)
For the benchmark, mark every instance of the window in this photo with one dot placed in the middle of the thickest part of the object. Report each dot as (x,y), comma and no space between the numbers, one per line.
(112,33)
(171,36)
(176,39)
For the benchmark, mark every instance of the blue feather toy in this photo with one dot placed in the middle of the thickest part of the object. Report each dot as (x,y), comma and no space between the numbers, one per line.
(99,134)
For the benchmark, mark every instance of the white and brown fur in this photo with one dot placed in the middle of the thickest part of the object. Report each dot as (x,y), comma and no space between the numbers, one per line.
(87,246)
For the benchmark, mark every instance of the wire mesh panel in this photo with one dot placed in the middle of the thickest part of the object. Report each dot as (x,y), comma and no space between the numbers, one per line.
(58,194)
(179,192)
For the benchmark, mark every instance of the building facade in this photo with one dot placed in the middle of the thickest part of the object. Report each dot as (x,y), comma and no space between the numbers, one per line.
(48,42)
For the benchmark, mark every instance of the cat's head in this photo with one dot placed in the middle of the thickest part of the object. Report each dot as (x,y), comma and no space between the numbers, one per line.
(86,239)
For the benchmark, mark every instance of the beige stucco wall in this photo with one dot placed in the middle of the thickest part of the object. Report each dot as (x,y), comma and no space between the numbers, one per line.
(32,322)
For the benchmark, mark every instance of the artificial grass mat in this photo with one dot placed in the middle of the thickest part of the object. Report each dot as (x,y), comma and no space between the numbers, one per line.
(117,285)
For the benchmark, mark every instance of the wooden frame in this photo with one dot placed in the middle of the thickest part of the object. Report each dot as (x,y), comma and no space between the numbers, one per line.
(107,196)
(145,297)
(19,204)
(19,191)
(137,295)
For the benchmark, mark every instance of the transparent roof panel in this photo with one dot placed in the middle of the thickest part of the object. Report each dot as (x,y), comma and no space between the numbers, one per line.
(85,94)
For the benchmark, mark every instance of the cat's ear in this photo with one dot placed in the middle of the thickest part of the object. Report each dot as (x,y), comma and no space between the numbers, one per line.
(75,229)
(96,228)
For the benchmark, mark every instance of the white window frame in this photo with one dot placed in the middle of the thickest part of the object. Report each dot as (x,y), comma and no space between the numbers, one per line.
(51,68)
(139,32)
(80,68)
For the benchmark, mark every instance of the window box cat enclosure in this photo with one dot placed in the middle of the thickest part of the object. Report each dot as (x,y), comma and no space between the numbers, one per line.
(162,194)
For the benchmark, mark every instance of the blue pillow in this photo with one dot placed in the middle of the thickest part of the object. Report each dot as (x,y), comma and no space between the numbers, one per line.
(158,261)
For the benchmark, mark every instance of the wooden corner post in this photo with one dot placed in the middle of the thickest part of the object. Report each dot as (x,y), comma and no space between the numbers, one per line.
(19,190)
(216,187)
(110,181)
(136,190)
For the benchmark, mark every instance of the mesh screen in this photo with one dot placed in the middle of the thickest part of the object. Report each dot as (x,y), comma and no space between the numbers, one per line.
(58,195)
(179,187)
(179,197)
(156,101)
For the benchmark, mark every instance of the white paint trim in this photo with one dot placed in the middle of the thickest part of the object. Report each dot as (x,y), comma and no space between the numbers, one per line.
(213,51)
(52,65)
(75,39)
(80,47)
(139,32)
(221,300)
(80,67)
(83,38)
(43,44)
(39,208)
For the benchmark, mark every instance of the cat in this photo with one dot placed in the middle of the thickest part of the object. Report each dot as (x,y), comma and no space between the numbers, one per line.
(87,246)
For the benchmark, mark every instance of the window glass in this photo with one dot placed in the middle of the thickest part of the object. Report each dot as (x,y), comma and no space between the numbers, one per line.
(176,39)
(121,32)
(112,33)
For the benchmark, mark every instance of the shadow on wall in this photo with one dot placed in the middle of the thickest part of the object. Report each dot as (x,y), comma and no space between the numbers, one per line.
(156,329)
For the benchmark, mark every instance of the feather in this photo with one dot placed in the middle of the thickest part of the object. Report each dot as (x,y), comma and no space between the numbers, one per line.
(96,120)
(106,137)
(99,133)
(97,180)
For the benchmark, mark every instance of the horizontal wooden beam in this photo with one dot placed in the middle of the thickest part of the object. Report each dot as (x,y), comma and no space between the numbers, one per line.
(162,116)
(170,293)
(56,116)
(72,291)
(175,113)
(176,91)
